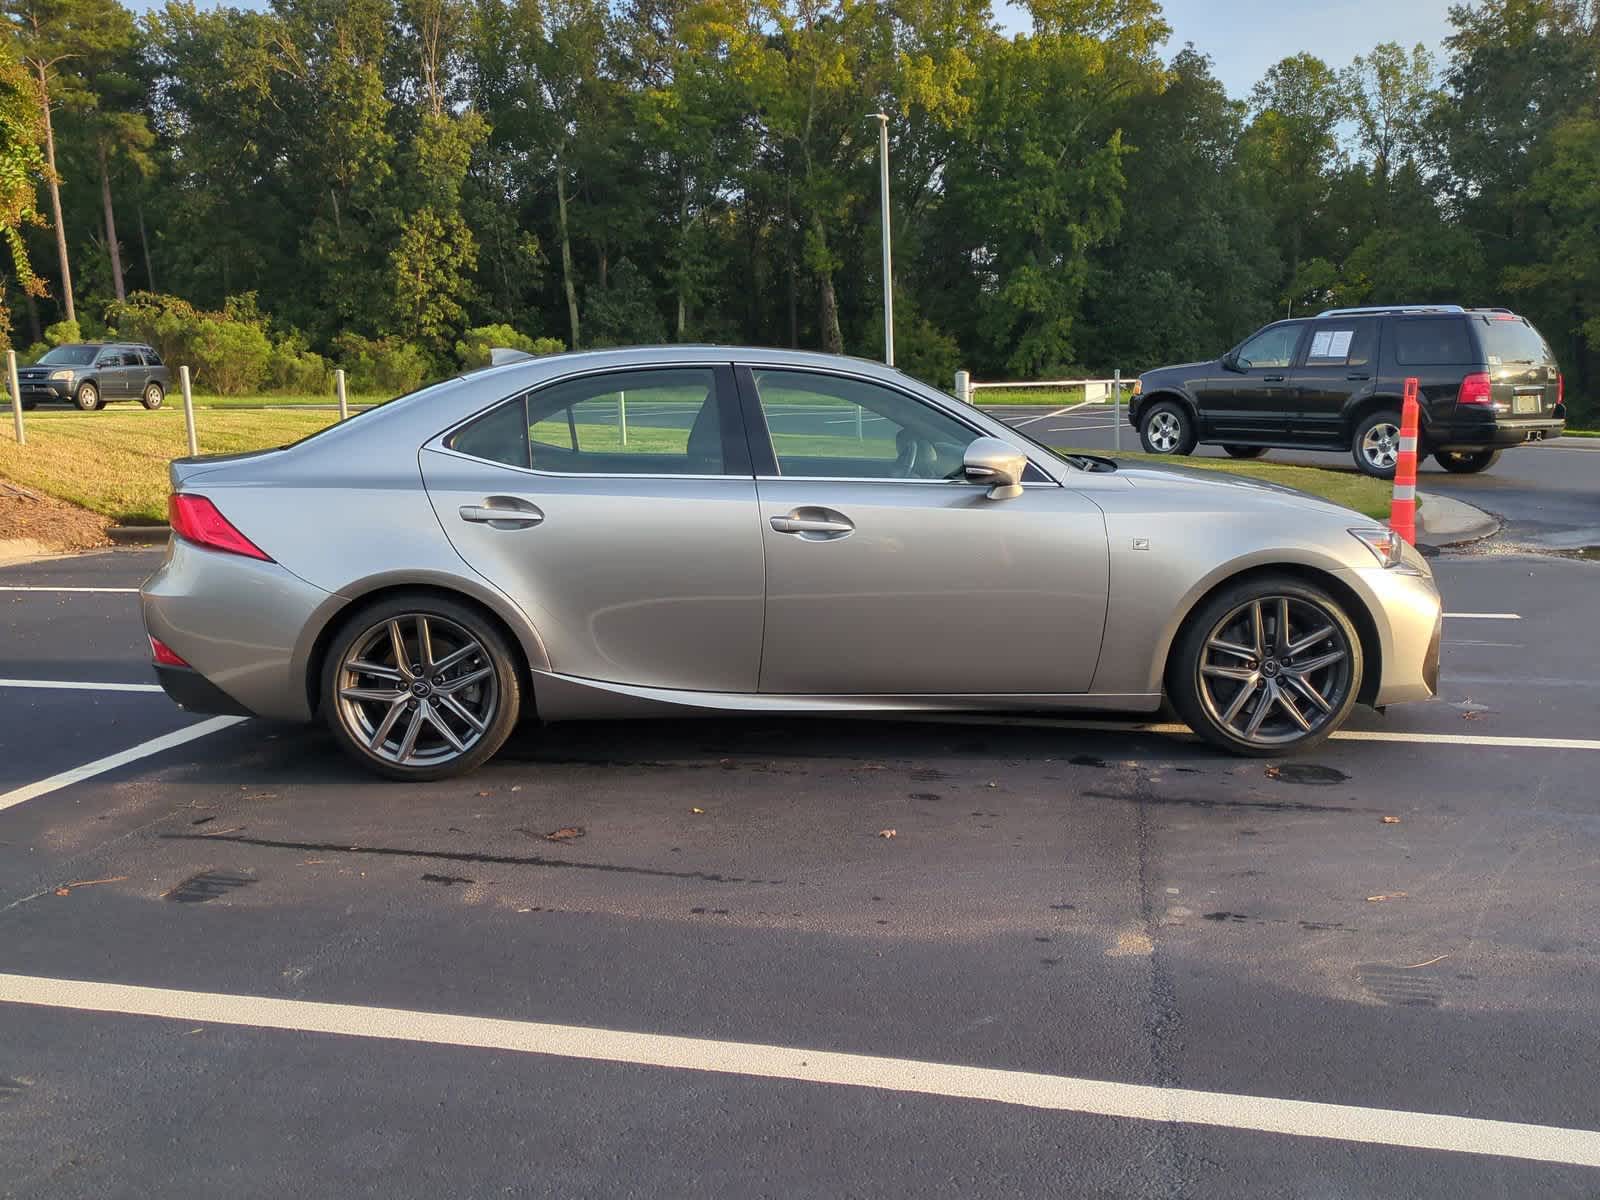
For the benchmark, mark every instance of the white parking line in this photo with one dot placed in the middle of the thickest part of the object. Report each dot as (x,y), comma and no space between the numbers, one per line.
(73,685)
(1058,412)
(112,761)
(21,588)
(1485,616)
(1026,1089)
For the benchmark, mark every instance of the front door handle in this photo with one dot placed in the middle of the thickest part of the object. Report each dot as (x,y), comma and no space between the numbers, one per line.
(1272,379)
(814,524)
(502,512)
(1358,375)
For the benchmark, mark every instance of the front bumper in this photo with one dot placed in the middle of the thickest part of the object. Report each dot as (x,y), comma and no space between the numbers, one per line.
(45,389)
(1408,617)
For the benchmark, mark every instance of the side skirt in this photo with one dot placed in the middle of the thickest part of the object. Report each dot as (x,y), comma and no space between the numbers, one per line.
(568,698)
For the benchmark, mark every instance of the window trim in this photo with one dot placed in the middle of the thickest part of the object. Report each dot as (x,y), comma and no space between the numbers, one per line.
(736,465)
(764,457)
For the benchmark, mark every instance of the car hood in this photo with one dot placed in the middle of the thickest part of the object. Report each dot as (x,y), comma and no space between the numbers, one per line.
(1232,491)
(1191,368)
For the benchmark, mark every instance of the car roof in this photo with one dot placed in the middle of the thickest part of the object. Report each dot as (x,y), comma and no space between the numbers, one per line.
(689,352)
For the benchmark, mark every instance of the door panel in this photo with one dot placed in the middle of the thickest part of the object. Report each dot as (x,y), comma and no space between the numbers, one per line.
(1253,401)
(112,376)
(930,588)
(1337,369)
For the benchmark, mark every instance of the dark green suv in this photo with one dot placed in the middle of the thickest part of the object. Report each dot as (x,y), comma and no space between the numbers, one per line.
(91,374)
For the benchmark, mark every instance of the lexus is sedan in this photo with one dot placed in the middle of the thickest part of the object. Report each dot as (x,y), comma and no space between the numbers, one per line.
(678,530)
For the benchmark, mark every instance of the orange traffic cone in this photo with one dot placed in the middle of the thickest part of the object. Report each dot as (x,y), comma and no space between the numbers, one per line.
(1403,508)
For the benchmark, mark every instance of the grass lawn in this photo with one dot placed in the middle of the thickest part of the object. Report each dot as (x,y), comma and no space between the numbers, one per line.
(1349,488)
(1041,397)
(115,462)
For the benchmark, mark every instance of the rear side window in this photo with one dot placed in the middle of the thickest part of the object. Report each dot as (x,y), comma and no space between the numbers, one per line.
(500,435)
(151,358)
(1432,342)
(1512,341)
(1346,343)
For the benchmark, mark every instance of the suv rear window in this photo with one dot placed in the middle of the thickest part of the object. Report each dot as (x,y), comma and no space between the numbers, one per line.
(1512,341)
(1432,342)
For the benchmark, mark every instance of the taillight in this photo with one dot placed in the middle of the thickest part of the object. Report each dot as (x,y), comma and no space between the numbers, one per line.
(1561,389)
(195,519)
(1475,389)
(163,653)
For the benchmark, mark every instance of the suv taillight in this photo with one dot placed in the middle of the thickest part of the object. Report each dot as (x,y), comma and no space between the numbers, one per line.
(1561,389)
(1475,389)
(196,519)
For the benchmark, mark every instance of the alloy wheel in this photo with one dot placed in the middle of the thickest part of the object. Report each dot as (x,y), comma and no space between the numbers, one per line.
(1381,446)
(1164,432)
(417,690)
(1275,670)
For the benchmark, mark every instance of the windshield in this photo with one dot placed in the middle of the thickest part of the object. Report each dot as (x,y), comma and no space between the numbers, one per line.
(70,356)
(1512,341)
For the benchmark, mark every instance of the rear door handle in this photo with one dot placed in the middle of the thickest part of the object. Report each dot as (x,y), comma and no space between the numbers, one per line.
(820,523)
(507,514)
(1358,375)
(1272,379)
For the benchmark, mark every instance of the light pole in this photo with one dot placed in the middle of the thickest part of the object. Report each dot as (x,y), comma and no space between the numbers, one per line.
(888,272)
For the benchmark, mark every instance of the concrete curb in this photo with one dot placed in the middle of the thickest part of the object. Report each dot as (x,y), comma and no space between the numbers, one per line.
(1443,521)
(139,535)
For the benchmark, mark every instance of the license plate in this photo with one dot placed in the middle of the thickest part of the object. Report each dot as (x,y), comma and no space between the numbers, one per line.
(1527,404)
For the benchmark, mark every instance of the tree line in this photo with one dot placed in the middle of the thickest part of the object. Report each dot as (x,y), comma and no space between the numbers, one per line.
(400,173)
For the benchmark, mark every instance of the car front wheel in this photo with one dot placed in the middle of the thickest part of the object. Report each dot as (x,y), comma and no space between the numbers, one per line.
(420,687)
(1466,462)
(87,397)
(153,396)
(1268,666)
(1245,451)
(1167,429)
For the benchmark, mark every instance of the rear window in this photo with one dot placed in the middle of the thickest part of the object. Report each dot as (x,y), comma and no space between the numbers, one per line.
(1432,342)
(1512,341)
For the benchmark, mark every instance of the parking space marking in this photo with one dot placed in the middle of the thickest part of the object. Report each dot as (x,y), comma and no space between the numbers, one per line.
(74,685)
(110,762)
(1058,412)
(1485,616)
(41,588)
(1025,1089)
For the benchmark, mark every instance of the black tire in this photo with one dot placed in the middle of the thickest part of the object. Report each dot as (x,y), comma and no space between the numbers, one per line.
(1377,443)
(153,396)
(1210,701)
(1167,428)
(29,405)
(449,623)
(87,398)
(1245,451)
(1466,462)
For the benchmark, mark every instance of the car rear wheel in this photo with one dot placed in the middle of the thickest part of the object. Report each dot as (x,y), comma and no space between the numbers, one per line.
(1167,429)
(153,396)
(1377,444)
(87,398)
(1466,462)
(1245,451)
(1269,666)
(420,687)
(29,405)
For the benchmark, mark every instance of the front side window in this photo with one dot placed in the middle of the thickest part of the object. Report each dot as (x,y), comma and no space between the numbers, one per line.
(655,422)
(830,427)
(1270,348)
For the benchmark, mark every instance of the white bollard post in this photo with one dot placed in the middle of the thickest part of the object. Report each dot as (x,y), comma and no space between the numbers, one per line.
(338,390)
(16,396)
(964,386)
(622,415)
(188,410)
(1116,409)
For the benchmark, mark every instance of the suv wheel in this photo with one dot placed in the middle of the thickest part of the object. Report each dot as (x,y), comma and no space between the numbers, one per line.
(153,395)
(1267,666)
(1245,451)
(1466,462)
(1167,429)
(1377,444)
(87,397)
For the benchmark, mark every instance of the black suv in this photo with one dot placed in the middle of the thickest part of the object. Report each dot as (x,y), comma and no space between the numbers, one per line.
(89,374)
(1486,378)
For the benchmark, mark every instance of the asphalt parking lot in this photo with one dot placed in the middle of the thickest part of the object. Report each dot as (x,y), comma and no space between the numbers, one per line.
(680,958)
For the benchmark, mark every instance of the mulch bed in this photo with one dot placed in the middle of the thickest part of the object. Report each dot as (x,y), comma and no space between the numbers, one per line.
(27,515)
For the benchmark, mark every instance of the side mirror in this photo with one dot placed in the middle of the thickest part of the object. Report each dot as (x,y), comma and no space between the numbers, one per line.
(1230,362)
(998,464)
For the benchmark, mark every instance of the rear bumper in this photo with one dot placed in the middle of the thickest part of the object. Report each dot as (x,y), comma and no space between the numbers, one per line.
(1495,432)
(239,623)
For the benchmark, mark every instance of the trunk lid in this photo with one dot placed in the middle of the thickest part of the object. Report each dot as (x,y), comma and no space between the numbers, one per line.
(1523,375)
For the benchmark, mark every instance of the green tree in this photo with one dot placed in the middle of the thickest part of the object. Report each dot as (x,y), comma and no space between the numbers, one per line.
(21,161)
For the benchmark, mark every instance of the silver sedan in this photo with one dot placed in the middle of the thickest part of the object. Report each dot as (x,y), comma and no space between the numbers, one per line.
(702,530)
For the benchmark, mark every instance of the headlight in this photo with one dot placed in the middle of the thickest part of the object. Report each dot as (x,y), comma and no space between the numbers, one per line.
(67,375)
(1391,550)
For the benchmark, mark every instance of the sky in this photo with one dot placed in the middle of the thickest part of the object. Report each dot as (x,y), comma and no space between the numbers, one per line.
(1245,37)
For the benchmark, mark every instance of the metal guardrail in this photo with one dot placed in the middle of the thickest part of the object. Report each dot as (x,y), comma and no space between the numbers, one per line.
(966,387)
